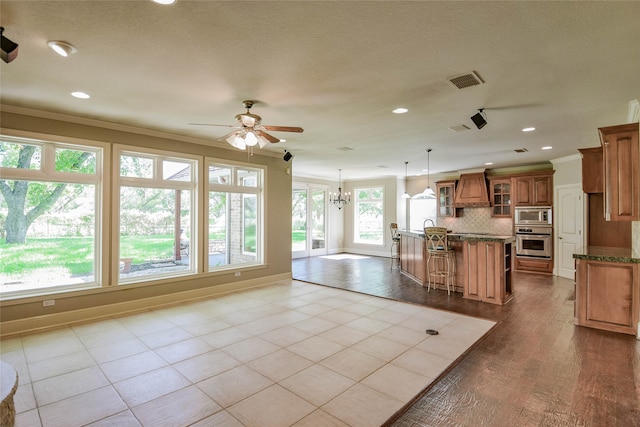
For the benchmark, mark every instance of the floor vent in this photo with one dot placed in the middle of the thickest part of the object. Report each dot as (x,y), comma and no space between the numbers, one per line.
(466,80)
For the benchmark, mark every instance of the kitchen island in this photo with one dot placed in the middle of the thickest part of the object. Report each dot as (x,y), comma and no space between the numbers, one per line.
(608,289)
(483,264)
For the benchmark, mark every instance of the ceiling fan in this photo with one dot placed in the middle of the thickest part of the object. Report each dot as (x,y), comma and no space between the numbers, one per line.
(250,131)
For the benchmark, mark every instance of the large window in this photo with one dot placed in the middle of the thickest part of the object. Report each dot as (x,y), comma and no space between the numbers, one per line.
(156,215)
(235,215)
(50,194)
(369,216)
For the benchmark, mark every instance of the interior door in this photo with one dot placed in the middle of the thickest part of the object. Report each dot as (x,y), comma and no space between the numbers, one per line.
(569,229)
(308,221)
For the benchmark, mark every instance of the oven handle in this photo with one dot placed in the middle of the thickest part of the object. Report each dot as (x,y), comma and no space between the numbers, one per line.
(534,235)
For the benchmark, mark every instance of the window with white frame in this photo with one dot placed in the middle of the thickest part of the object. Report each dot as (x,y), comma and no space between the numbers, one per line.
(369,216)
(156,197)
(235,217)
(50,198)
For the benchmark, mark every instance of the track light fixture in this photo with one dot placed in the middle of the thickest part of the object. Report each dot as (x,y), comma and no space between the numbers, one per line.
(479,119)
(9,48)
(287,156)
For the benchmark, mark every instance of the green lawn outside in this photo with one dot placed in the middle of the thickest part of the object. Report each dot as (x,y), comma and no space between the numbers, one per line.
(76,253)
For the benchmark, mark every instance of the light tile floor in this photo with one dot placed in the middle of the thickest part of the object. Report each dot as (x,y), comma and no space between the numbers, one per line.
(287,354)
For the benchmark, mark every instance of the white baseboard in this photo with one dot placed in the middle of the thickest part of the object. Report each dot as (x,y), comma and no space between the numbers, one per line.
(56,320)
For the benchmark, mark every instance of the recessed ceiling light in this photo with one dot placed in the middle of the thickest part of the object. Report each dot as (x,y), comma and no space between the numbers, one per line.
(62,48)
(529,129)
(164,1)
(548,147)
(488,163)
(400,110)
(80,95)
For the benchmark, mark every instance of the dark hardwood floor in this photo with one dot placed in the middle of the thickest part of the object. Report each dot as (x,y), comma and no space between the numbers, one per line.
(535,368)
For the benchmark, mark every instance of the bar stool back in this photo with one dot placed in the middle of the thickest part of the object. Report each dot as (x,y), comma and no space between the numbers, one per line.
(438,249)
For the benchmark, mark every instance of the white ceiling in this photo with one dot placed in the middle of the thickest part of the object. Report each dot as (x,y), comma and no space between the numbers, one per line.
(337,69)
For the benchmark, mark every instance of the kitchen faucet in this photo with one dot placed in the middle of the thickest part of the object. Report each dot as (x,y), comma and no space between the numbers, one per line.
(424,224)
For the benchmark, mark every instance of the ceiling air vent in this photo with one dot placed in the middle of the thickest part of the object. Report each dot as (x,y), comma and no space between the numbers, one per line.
(345,149)
(520,150)
(459,128)
(466,80)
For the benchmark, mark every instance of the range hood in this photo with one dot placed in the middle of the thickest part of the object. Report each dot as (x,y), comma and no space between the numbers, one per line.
(471,191)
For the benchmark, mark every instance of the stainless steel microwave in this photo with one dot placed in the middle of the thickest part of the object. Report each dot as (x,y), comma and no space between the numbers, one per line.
(533,215)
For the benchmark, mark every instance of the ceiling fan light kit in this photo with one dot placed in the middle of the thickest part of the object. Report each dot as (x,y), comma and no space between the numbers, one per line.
(250,131)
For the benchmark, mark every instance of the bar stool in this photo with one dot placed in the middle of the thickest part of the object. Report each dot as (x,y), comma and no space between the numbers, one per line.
(438,249)
(395,244)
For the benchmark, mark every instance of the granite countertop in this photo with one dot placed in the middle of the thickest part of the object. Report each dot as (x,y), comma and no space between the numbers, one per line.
(477,237)
(601,253)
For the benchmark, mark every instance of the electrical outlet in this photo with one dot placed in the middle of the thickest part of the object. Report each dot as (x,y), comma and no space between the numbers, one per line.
(48,302)
(237,274)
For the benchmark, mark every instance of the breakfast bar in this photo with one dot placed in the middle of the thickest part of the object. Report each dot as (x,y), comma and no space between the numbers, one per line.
(483,264)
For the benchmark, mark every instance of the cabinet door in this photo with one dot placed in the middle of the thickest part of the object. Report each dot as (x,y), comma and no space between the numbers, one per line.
(523,192)
(501,198)
(592,166)
(445,192)
(607,295)
(542,191)
(472,263)
(621,172)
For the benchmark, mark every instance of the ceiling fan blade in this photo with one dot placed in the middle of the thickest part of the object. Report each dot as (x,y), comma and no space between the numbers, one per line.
(268,137)
(283,128)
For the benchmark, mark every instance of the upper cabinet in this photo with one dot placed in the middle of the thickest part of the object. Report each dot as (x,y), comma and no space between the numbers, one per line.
(471,191)
(534,189)
(445,191)
(592,167)
(621,159)
(500,189)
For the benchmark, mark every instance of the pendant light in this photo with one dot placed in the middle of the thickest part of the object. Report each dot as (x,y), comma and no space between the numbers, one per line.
(405,195)
(428,193)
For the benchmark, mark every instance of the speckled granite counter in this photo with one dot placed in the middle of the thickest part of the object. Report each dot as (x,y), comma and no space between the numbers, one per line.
(474,237)
(600,253)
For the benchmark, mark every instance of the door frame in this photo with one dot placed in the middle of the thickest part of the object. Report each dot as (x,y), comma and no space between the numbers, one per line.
(310,188)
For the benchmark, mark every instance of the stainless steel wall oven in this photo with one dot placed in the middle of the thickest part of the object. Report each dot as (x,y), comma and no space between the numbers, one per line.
(533,231)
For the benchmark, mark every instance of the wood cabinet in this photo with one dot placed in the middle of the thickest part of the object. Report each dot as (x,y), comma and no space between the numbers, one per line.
(621,159)
(487,271)
(413,257)
(533,189)
(592,170)
(537,265)
(607,295)
(445,192)
(500,192)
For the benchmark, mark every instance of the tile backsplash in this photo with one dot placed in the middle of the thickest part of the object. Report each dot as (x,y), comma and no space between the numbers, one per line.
(478,220)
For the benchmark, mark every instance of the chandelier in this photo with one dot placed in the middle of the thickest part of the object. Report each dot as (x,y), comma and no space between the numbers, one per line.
(338,199)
